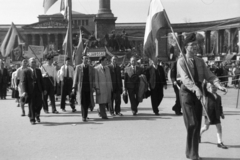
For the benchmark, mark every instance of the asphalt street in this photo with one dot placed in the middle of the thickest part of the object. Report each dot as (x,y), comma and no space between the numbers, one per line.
(146,136)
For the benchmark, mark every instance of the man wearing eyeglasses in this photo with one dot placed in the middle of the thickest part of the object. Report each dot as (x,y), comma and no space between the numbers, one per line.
(191,93)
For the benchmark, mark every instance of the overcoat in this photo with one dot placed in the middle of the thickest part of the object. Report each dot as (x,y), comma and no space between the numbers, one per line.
(77,82)
(103,82)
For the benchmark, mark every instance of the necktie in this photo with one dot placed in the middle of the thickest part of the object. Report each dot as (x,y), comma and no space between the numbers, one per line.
(67,73)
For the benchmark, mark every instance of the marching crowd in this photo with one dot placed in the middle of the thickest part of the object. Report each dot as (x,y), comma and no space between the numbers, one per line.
(191,78)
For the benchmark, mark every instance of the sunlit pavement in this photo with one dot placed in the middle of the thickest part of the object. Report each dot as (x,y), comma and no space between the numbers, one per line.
(142,137)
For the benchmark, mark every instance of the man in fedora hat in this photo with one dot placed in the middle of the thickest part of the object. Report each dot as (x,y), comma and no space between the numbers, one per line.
(191,93)
(66,76)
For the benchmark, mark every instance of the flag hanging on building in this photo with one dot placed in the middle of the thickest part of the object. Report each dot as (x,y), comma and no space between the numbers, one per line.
(156,20)
(11,42)
(64,8)
(67,45)
(47,4)
(77,57)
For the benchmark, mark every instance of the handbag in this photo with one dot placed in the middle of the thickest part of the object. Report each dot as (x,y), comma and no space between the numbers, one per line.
(125,97)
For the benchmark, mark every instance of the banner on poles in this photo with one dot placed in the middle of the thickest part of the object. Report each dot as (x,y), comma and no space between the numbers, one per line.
(38,51)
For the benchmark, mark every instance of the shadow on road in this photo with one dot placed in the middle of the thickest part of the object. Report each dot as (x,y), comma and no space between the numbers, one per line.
(209,158)
(67,123)
(229,146)
(229,113)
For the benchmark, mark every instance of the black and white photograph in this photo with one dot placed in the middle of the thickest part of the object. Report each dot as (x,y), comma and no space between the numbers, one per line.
(120,79)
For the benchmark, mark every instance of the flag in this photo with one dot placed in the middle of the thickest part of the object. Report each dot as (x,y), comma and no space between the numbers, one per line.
(156,20)
(64,8)
(11,41)
(79,50)
(67,45)
(47,4)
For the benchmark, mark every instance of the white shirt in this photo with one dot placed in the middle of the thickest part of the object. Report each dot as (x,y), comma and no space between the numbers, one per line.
(63,72)
(50,70)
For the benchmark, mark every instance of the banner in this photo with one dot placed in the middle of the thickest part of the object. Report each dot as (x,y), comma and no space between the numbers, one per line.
(38,51)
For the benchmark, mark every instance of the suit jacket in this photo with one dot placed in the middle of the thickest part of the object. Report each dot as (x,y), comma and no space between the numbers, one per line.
(4,76)
(116,78)
(131,79)
(78,81)
(103,82)
(151,76)
(27,81)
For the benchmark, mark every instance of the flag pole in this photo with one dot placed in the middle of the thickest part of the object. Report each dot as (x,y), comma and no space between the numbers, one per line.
(184,57)
(70,27)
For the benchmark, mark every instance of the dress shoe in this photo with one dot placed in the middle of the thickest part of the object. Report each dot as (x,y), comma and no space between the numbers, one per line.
(134,113)
(46,111)
(119,114)
(104,117)
(38,119)
(56,112)
(157,114)
(178,113)
(74,110)
(221,145)
(84,119)
(23,114)
(64,110)
(112,114)
(32,122)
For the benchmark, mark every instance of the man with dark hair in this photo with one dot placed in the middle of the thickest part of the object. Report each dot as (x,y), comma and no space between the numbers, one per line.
(115,72)
(66,76)
(32,85)
(103,84)
(49,74)
(4,77)
(131,83)
(191,93)
(84,84)
(157,80)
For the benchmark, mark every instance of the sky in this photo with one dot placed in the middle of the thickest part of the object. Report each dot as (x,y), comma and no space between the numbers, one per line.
(134,11)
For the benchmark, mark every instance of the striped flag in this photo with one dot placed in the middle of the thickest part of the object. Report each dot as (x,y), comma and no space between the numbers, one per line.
(156,20)
(67,45)
(64,8)
(79,50)
(11,41)
(47,4)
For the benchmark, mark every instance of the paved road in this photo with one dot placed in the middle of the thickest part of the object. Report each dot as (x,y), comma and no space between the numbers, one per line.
(143,137)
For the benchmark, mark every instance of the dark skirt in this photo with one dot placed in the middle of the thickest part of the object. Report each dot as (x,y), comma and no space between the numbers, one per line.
(213,118)
(15,93)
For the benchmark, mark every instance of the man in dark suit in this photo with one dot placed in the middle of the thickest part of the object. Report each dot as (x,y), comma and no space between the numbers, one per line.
(131,83)
(32,83)
(176,86)
(4,78)
(115,72)
(157,81)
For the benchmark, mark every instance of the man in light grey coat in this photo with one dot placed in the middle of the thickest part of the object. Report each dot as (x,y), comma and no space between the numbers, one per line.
(103,84)
(84,83)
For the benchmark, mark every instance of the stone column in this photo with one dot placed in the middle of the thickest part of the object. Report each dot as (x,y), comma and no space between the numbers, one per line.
(105,20)
(56,42)
(34,39)
(41,40)
(220,41)
(229,44)
(238,40)
(207,42)
(48,39)
(180,39)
